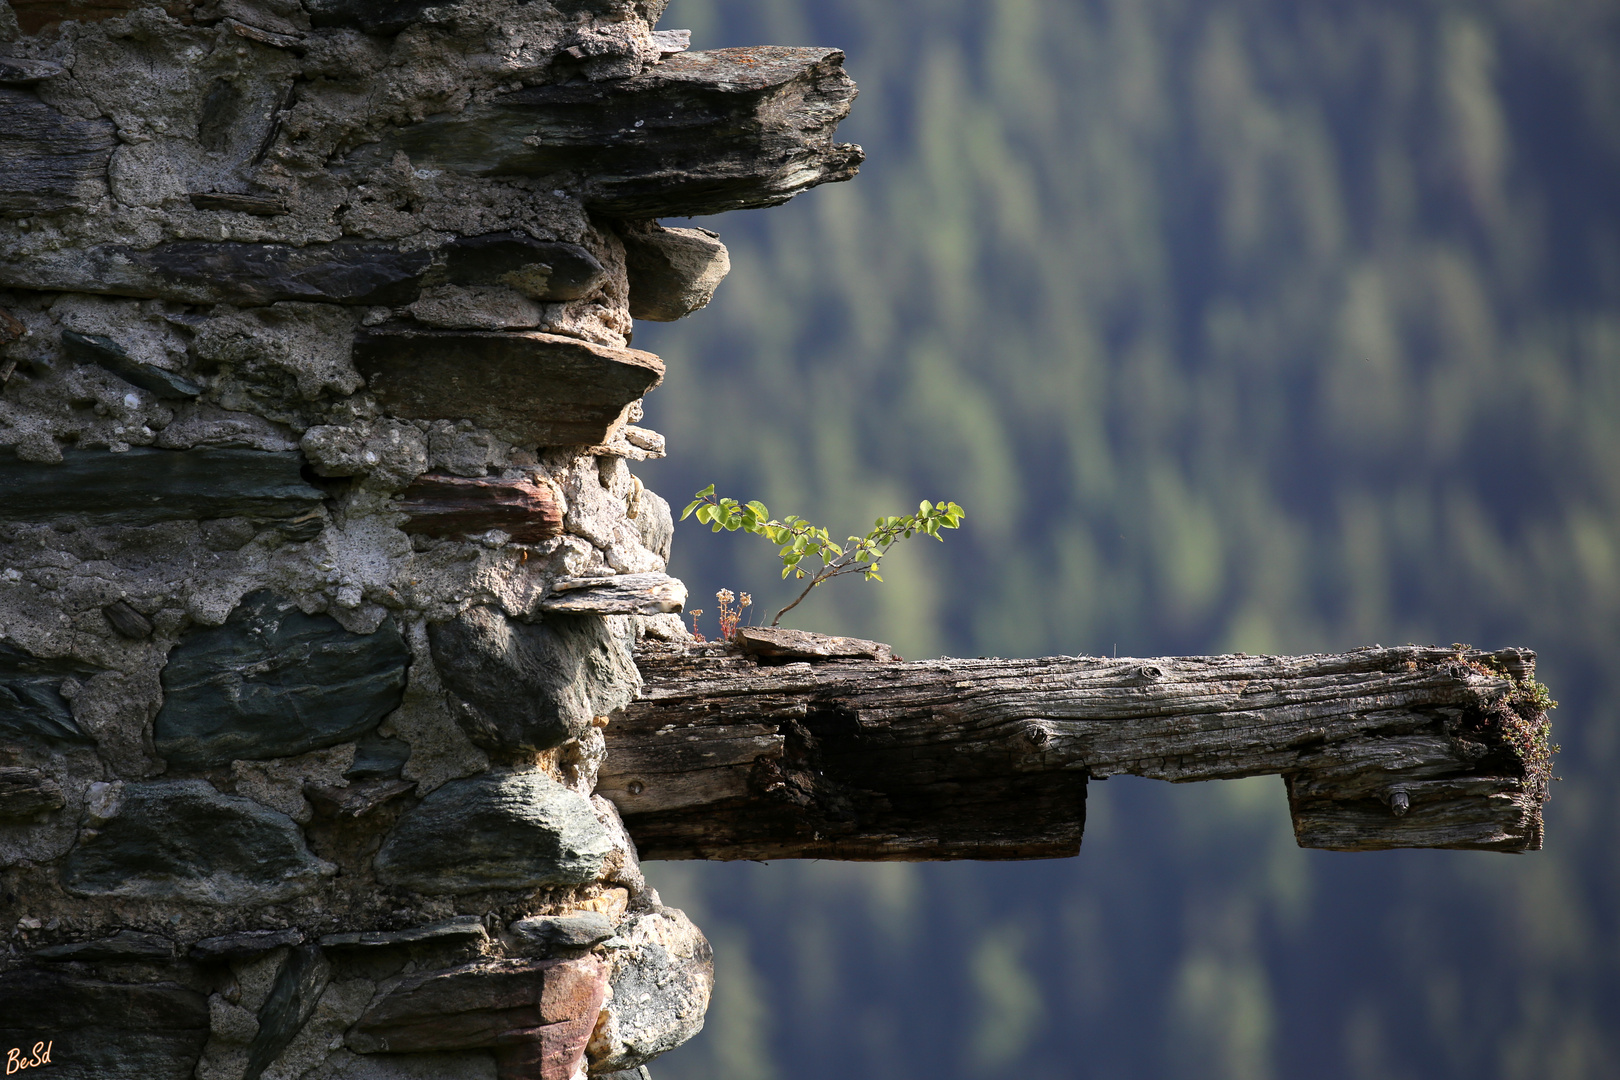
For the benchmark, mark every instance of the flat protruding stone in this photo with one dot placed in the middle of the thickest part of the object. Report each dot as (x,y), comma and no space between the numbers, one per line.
(673,272)
(124,945)
(26,794)
(460,928)
(778,643)
(244,945)
(274,682)
(549,935)
(494,831)
(142,486)
(49,160)
(700,133)
(537,1014)
(621,594)
(181,840)
(524,687)
(532,388)
(442,505)
(101,1030)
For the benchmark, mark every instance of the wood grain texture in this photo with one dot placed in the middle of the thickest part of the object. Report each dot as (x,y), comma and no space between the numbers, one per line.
(730,757)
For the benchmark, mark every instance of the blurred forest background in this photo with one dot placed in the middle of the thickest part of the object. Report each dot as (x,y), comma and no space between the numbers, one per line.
(1236,325)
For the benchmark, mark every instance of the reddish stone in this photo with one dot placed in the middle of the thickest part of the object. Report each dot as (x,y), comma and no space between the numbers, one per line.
(440,505)
(536,1014)
(36,15)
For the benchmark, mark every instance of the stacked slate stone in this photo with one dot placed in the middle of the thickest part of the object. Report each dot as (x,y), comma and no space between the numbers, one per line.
(321,560)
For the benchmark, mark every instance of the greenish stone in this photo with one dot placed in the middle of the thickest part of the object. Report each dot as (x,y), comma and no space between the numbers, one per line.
(302,976)
(526,687)
(143,486)
(495,831)
(275,682)
(31,703)
(182,840)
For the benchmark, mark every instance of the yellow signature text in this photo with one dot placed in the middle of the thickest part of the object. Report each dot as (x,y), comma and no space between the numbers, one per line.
(16,1061)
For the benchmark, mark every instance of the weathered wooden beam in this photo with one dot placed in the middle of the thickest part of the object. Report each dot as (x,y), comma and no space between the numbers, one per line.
(731,756)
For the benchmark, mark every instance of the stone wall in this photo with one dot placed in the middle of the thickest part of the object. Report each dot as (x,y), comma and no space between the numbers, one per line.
(321,556)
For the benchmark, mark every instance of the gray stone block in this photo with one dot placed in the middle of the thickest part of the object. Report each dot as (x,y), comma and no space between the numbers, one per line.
(495,831)
(182,840)
(673,272)
(17,71)
(274,682)
(662,978)
(338,272)
(100,1030)
(378,757)
(550,935)
(539,269)
(372,16)
(143,486)
(532,388)
(127,621)
(527,687)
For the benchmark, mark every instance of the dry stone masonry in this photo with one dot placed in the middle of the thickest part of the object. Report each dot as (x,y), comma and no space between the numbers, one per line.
(322,564)
(335,629)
